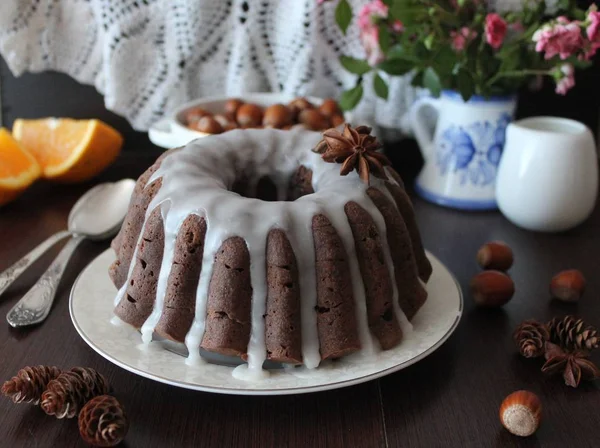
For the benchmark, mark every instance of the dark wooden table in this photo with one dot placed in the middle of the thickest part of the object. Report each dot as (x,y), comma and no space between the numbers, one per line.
(450,399)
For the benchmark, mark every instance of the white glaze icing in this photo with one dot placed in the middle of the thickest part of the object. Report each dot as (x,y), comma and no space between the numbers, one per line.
(197,179)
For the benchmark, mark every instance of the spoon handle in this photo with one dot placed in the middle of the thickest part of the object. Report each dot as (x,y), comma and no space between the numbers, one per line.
(35,305)
(12,273)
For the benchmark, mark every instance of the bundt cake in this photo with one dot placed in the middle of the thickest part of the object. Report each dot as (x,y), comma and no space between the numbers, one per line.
(249,244)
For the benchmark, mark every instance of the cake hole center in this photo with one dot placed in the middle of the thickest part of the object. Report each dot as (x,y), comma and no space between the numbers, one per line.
(299,184)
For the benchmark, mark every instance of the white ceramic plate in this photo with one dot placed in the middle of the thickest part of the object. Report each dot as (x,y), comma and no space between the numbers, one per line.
(91,306)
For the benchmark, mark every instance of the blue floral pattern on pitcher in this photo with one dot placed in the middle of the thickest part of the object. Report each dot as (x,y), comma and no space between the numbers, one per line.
(473,151)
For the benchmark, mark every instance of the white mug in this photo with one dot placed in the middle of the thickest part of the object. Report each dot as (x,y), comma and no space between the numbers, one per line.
(548,176)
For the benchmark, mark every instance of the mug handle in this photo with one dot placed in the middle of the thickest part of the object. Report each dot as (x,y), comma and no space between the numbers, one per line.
(419,126)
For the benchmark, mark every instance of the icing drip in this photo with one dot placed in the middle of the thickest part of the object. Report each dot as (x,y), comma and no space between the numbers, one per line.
(193,339)
(172,226)
(197,180)
(257,352)
(301,236)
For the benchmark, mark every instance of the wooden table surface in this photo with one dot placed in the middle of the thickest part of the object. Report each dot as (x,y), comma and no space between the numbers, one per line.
(449,399)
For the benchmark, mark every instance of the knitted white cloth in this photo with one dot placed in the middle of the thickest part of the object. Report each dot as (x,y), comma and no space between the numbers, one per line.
(149,56)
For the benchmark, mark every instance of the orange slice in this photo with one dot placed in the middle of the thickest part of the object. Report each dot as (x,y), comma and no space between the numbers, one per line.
(69,150)
(18,168)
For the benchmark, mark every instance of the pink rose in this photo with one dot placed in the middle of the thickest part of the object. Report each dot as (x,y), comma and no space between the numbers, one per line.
(371,11)
(495,30)
(593,20)
(590,51)
(592,24)
(369,33)
(462,37)
(565,78)
(370,42)
(397,26)
(561,38)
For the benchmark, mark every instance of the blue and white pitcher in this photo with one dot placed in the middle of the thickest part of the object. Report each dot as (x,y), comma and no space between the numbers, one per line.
(463,152)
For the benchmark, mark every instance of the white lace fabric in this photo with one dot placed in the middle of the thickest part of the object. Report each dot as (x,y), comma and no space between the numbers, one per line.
(149,56)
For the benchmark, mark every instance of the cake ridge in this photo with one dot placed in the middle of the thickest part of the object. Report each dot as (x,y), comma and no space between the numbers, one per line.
(340,223)
(300,235)
(165,272)
(377,216)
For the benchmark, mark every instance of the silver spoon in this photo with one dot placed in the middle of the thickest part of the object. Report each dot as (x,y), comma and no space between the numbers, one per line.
(98,215)
(12,273)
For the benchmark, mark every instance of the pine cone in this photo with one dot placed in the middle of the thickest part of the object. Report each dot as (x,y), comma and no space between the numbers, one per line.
(103,422)
(67,394)
(29,383)
(530,338)
(573,334)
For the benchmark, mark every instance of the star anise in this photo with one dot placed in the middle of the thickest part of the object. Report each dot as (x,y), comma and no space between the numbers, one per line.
(355,149)
(574,366)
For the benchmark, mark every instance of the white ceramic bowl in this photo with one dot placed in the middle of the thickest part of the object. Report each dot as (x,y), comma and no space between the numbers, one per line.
(171,132)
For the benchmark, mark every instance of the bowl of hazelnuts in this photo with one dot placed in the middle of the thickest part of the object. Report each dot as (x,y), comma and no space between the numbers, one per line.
(212,116)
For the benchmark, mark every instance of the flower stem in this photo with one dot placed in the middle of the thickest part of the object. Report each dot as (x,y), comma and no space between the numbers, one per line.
(515,74)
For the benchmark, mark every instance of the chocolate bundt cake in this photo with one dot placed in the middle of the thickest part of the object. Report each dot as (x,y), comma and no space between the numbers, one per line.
(249,244)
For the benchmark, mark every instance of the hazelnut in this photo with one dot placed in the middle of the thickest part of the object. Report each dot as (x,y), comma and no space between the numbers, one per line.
(249,115)
(208,125)
(330,108)
(277,116)
(232,105)
(226,122)
(337,120)
(521,413)
(299,104)
(313,119)
(194,114)
(492,288)
(495,255)
(567,286)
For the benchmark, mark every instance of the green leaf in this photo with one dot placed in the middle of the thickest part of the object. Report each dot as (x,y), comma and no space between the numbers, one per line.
(421,52)
(388,2)
(444,61)
(380,86)
(417,80)
(343,15)
(385,38)
(350,98)
(353,65)
(396,67)
(428,42)
(406,13)
(397,52)
(431,81)
(465,84)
